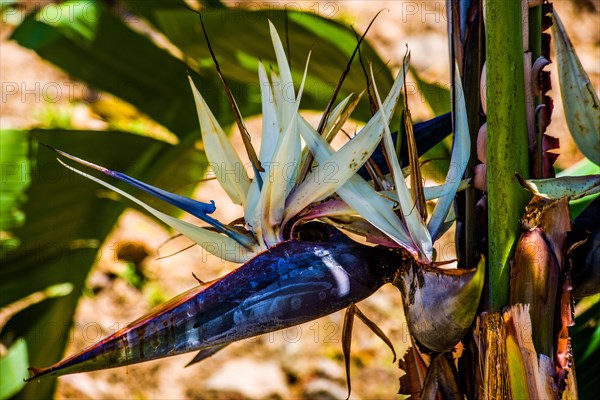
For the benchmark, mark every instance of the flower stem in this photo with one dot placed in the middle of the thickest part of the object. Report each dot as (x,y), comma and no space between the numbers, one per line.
(507,150)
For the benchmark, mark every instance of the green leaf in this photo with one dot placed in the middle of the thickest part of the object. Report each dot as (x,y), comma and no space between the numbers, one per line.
(586,349)
(16,167)
(573,187)
(435,95)
(147,8)
(13,369)
(8,12)
(517,368)
(105,53)
(580,101)
(67,220)
(582,167)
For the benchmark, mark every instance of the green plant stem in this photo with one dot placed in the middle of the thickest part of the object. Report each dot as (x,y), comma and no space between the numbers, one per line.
(507,151)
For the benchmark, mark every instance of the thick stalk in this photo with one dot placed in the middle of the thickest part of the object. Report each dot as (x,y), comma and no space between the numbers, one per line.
(507,150)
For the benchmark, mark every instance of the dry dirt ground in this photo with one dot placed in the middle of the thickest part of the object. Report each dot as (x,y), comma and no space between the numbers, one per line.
(301,362)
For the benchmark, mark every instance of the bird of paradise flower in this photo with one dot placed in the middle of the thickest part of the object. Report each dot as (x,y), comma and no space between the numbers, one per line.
(293,270)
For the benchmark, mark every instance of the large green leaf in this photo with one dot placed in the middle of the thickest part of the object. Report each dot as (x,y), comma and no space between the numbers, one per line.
(147,8)
(68,217)
(12,369)
(580,101)
(434,94)
(100,49)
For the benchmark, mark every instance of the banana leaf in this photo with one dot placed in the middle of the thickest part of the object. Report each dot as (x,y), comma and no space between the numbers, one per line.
(66,223)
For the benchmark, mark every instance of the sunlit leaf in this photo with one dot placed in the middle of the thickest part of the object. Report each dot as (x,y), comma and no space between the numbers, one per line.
(13,369)
(573,187)
(15,158)
(435,95)
(580,101)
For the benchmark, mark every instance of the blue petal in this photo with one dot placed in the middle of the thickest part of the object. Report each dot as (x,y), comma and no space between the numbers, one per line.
(194,207)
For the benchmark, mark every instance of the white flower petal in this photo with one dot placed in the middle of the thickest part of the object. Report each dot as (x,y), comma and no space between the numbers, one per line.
(270,137)
(414,222)
(225,161)
(461,149)
(359,195)
(341,165)
(281,176)
(287,98)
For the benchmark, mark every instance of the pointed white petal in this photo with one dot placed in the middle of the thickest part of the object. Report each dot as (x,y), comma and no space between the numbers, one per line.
(286,89)
(335,114)
(335,121)
(270,137)
(281,175)
(227,165)
(341,165)
(414,222)
(215,243)
(337,126)
(431,192)
(461,149)
(276,88)
(358,194)
(270,127)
